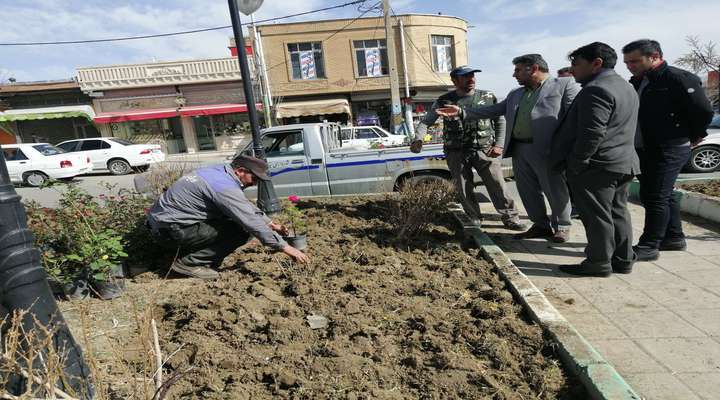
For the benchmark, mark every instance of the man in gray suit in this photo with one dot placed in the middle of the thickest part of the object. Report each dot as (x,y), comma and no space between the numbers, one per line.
(595,144)
(532,113)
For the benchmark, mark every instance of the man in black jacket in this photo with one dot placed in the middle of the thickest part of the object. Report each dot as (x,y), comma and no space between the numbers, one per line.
(674,115)
(594,145)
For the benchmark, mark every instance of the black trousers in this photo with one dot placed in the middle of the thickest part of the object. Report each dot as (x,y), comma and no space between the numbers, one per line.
(601,199)
(203,244)
(660,168)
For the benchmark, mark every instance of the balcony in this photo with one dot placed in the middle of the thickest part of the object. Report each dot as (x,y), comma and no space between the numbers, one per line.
(159,74)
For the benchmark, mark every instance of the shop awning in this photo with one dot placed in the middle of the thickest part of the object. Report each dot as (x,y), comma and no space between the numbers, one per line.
(312,107)
(26,114)
(160,113)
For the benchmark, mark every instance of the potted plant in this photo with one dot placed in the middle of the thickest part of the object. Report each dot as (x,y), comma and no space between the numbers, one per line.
(295,221)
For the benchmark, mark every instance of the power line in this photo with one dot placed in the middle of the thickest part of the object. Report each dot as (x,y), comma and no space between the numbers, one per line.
(119,39)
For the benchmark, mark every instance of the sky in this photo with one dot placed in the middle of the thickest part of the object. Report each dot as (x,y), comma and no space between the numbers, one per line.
(499,30)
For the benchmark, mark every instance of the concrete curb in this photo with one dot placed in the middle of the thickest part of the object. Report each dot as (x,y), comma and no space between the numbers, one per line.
(697,204)
(598,376)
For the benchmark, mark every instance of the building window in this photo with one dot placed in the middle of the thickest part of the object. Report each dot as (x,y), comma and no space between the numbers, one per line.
(307,60)
(371,57)
(442,53)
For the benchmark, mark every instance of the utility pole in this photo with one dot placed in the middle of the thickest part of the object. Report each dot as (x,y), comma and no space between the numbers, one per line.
(395,111)
(262,73)
(408,102)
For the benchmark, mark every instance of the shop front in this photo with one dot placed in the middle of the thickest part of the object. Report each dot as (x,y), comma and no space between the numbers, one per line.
(219,127)
(48,124)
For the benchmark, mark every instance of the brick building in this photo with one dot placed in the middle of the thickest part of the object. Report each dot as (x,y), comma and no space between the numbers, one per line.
(337,69)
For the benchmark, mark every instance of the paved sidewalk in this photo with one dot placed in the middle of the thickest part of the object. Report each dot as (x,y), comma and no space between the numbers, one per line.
(659,326)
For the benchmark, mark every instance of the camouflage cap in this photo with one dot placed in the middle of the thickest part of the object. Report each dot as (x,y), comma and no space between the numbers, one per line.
(257,166)
(463,70)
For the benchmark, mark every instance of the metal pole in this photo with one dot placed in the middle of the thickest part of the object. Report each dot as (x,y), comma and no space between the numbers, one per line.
(395,112)
(25,287)
(266,200)
(260,72)
(408,103)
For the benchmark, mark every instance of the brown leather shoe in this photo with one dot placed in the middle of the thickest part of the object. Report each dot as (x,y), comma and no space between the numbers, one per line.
(560,237)
(535,232)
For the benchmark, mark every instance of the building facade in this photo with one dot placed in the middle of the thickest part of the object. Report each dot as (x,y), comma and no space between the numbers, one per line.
(185,106)
(48,111)
(337,70)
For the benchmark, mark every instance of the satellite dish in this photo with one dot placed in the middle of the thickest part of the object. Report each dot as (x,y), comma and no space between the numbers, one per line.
(248,7)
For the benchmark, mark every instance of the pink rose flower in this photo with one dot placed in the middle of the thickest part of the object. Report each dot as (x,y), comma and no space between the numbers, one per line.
(293,198)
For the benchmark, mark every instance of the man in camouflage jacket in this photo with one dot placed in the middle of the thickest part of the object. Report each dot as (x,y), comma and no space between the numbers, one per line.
(472,144)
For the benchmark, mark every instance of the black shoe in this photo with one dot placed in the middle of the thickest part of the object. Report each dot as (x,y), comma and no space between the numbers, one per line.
(645,253)
(194,271)
(673,245)
(622,270)
(581,270)
(535,232)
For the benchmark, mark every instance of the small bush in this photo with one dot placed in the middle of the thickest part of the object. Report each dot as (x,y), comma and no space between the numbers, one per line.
(85,239)
(418,205)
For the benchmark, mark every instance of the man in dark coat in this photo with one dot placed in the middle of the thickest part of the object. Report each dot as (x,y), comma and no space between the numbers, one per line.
(594,145)
(674,116)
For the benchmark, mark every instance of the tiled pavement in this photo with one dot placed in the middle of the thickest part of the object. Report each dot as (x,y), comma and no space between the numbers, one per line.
(659,326)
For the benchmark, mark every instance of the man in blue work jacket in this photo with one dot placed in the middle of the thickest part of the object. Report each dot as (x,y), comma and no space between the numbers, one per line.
(207,215)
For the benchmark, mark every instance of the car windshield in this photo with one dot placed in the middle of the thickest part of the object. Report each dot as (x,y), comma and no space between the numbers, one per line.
(47,149)
(122,141)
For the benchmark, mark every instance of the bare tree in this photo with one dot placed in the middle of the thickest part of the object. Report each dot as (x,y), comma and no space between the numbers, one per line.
(703,57)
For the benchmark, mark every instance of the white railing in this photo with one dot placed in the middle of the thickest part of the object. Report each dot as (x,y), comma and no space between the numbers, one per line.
(154,74)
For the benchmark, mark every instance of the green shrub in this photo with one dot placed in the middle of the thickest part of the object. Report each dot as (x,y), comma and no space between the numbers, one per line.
(85,238)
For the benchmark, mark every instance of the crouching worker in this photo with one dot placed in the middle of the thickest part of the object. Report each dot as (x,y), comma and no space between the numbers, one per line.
(207,215)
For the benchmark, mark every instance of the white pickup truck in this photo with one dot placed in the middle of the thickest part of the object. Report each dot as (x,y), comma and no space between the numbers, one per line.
(310,160)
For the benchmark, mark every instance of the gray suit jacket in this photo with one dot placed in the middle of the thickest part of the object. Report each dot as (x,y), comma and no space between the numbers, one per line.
(599,129)
(553,102)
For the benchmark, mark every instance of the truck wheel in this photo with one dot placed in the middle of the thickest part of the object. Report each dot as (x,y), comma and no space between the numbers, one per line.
(119,167)
(35,178)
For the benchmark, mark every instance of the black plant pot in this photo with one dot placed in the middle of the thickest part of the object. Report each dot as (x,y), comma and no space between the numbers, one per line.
(113,287)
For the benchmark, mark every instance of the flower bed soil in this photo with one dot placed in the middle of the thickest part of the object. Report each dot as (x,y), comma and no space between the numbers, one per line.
(418,320)
(710,188)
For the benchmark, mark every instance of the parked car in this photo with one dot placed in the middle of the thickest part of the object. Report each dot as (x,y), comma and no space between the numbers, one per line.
(367,118)
(114,154)
(705,157)
(367,136)
(33,164)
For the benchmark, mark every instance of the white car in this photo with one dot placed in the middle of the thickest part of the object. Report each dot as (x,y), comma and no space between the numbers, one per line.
(367,136)
(115,155)
(705,157)
(34,163)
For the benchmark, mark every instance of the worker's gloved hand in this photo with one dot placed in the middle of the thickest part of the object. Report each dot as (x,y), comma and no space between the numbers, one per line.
(416,146)
(296,254)
(279,228)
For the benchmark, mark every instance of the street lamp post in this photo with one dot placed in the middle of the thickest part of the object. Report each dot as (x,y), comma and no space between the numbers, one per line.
(24,287)
(267,199)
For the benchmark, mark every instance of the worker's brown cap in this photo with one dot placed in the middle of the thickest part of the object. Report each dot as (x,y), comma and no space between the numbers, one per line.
(257,166)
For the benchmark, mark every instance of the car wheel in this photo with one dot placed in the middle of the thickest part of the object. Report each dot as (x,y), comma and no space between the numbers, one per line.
(119,167)
(705,159)
(35,178)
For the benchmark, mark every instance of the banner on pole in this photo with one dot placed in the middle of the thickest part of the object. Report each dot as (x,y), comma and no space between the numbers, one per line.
(307,65)
(372,62)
